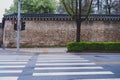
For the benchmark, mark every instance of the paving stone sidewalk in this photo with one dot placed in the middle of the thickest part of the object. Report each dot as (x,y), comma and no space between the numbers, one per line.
(34,50)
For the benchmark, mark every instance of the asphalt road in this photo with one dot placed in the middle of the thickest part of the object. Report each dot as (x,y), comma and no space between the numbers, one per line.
(59,67)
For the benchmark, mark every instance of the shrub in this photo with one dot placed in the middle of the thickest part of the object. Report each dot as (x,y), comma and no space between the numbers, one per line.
(94,46)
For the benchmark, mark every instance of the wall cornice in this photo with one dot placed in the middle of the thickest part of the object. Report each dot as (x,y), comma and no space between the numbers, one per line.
(61,17)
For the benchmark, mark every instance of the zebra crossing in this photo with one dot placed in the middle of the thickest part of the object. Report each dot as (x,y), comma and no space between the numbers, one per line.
(68,65)
(51,67)
(11,66)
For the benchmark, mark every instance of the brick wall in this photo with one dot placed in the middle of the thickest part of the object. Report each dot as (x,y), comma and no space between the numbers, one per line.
(58,33)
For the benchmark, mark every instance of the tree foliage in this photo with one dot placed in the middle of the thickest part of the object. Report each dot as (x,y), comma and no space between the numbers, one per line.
(70,7)
(33,6)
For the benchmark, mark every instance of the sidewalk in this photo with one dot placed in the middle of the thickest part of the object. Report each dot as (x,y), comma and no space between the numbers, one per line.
(37,50)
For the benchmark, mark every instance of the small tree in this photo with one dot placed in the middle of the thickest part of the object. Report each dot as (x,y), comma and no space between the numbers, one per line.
(77,8)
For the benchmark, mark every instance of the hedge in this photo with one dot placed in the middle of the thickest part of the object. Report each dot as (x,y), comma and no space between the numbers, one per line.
(93,46)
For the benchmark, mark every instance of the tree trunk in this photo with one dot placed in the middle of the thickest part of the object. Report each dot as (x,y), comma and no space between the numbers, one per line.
(78,30)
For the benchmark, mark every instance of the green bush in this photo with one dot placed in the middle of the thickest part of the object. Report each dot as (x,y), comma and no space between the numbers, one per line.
(93,46)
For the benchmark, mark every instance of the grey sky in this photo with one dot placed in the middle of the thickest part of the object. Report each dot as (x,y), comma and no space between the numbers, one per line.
(4,4)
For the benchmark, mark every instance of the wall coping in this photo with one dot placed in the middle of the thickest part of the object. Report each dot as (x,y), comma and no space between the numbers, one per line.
(56,17)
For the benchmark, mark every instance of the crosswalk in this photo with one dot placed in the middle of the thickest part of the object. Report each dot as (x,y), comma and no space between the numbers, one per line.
(11,66)
(53,66)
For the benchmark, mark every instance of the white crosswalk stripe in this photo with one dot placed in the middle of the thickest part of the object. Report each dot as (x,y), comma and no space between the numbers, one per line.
(55,64)
(71,73)
(57,58)
(10,71)
(13,62)
(100,79)
(8,78)
(62,68)
(62,60)
(15,66)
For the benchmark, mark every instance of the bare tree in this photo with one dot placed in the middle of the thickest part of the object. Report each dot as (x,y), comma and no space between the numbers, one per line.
(105,6)
(108,6)
(116,6)
(77,8)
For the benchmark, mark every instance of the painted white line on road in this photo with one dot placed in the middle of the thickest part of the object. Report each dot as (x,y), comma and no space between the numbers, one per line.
(69,68)
(100,79)
(53,58)
(62,60)
(58,57)
(13,62)
(10,71)
(71,73)
(54,64)
(12,66)
(17,57)
(8,78)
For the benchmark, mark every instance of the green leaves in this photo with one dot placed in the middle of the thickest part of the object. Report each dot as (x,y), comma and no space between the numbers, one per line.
(94,46)
(33,6)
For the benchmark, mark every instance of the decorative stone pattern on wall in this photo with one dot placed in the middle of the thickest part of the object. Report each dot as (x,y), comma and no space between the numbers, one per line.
(58,33)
